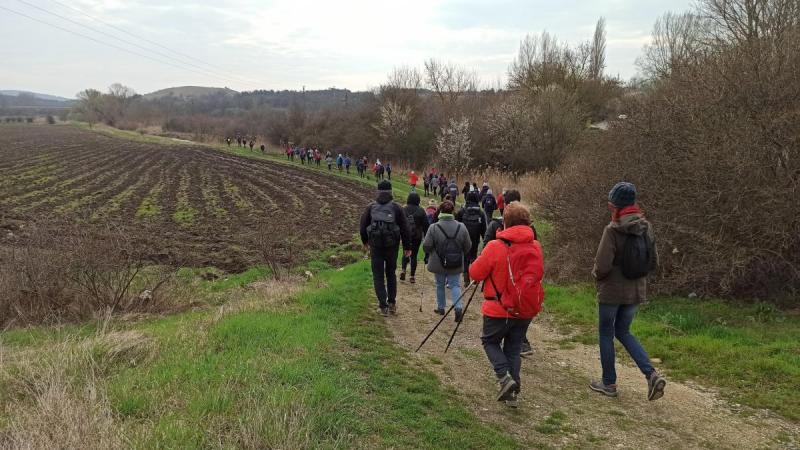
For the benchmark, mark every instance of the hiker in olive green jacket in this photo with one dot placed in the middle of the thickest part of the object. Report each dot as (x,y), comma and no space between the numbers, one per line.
(626,254)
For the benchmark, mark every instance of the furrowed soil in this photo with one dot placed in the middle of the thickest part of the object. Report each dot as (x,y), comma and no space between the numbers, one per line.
(557,409)
(187,204)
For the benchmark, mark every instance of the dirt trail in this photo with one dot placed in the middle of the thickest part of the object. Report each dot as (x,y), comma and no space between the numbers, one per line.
(558,410)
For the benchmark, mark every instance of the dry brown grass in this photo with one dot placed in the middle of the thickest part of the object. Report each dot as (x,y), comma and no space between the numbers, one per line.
(54,399)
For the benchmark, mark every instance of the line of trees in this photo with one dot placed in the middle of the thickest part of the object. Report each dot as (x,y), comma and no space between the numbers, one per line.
(712,137)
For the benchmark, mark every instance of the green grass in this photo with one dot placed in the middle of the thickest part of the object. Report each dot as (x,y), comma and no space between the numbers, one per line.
(750,351)
(324,374)
(331,363)
(556,423)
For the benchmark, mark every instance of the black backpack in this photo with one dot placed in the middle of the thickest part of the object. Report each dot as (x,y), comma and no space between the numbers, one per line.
(473,219)
(635,256)
(412,225)
(453,191)
(489,202)
(383,232)
(449,252)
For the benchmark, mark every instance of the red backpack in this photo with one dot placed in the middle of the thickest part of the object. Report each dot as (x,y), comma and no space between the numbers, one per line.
(524,296)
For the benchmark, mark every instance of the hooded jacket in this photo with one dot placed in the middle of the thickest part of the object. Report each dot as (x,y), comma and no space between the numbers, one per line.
(482,228)
(420,217)
(612,286)
(436,237)
(383,198)
(492,267)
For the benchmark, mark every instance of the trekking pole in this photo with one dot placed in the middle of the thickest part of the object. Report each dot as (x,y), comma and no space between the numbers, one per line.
(444,317)
(422,291)
(462,317)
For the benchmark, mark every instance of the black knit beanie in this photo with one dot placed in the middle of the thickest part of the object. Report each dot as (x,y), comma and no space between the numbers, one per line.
(385,185)
(622,194)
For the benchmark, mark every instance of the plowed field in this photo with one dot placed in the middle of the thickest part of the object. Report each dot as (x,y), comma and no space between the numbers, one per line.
(192,205)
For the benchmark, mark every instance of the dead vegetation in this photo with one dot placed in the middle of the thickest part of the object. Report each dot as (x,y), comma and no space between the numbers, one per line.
(54,398)
(67,272)
(712,144)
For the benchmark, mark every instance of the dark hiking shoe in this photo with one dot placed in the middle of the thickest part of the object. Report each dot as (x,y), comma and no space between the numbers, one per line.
(511,399)
(609,390)
(526,349)
(412,280)
(439,311)
(507,385)
(655,386)
(383,311)
(393,308)
(402,276)
(459,315)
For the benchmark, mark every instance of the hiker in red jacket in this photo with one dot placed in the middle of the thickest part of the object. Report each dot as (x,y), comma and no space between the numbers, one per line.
(501,202)
(510,303)
(412,180)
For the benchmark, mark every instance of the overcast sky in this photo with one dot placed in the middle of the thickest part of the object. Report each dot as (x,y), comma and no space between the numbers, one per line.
(288,44)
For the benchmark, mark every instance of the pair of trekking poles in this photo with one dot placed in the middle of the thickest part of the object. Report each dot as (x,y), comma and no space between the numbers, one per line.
(474,286)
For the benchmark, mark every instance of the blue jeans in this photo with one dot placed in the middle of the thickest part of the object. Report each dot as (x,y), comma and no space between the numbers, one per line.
(454,281)
(615,321)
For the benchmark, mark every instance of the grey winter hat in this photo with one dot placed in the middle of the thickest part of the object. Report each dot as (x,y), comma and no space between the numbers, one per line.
(622,194)
(385,185)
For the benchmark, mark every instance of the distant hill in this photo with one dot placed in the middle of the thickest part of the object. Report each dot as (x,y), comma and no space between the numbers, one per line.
(189,92)
(36,95)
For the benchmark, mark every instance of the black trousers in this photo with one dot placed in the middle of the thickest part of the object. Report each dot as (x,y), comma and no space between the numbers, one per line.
(384,278)
(502,342)
(413,258)
(470,258)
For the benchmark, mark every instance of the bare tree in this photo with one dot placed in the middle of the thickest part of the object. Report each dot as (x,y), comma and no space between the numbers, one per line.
(674,45)
(597,55)
(449,83)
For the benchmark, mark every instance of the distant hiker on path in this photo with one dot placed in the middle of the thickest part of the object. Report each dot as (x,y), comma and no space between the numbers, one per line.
(434,184)
(412,180)
(626,255)
(512,268)
(445,245)
(389,171)
(489,203)
(383,227)
(263,148)
(251,145)
(347,163)
(472,216)
(418,227)
(228,140)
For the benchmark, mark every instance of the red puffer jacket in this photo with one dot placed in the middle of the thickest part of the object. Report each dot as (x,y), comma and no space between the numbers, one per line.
(492,262)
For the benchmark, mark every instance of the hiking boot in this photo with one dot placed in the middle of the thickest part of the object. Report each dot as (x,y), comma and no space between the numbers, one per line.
(511,399)
(655,386)
(383,311)
(412,280)
(609,390)
(459,315)
(507,384)
(402,276)
(393,308)
(439,311)
(526,349)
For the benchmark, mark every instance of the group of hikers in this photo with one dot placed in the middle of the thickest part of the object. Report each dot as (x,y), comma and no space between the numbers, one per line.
(508,269)
(342,162)
(244,142)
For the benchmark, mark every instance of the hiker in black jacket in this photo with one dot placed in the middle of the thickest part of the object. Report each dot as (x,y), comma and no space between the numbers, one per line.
(383,228)
(473,217)
(418,225)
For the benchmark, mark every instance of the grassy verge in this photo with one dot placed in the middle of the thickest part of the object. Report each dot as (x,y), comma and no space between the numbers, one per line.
(294,364)
(750,351)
